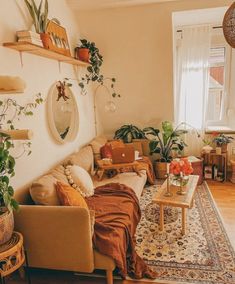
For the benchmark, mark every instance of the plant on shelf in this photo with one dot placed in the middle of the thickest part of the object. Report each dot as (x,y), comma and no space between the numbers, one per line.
(164,143)
(129,132)
(94,75)
(7,202)
(222,141)
(207,148)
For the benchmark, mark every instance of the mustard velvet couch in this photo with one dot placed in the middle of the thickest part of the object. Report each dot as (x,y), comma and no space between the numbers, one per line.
(60,237)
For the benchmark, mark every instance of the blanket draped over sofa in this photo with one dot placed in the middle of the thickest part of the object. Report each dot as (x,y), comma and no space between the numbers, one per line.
(117,214)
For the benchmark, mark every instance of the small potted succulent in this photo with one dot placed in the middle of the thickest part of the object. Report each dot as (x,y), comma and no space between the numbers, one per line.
(207,148)
(7,202)
(222,141)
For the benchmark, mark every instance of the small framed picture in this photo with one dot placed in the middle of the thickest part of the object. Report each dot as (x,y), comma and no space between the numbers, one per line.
(58,38)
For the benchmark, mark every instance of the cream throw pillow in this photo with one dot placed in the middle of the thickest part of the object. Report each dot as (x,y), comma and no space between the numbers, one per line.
(80,180)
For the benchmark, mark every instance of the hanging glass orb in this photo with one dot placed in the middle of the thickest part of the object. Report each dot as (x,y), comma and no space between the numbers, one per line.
(110,106)
(229,25)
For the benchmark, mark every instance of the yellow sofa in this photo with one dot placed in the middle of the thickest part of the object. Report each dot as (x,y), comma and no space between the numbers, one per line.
(60,237)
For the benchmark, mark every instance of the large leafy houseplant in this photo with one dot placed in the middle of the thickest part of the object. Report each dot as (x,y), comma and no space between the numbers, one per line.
(7,165)
(129,132)
(164,142)
(93,70)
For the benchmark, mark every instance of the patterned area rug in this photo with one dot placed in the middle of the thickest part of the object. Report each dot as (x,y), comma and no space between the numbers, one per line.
(203,256)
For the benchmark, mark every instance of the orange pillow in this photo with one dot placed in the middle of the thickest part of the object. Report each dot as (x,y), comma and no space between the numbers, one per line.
(69,196)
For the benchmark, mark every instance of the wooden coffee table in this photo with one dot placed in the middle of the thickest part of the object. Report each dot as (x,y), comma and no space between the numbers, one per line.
(102,167)
(182,201)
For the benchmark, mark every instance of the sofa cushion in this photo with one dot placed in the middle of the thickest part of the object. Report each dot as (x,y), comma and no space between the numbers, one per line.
(96,144)
(83,158)
(80,180)
(69,196)
(43,191)
(58,173)
(131,179)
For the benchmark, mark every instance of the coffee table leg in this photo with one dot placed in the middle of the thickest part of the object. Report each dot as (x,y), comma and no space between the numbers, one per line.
(184,221)
(161,217)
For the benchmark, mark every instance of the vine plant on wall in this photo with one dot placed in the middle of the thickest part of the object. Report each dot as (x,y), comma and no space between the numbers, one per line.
(10,111)
(93,71)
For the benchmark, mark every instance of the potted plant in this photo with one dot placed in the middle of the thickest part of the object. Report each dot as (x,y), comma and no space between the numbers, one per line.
(207,148)
(129,132)
(163,144)
(40,19)
(7,202)
(222,141)
(88,48)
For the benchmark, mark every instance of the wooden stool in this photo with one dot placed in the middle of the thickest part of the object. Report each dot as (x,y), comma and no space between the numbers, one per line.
(12,256)
(232,179)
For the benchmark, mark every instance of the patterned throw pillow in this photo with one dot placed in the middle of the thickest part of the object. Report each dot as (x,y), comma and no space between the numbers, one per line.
(79,179)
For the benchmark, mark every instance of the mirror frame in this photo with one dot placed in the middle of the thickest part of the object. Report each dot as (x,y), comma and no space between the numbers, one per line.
(74,125)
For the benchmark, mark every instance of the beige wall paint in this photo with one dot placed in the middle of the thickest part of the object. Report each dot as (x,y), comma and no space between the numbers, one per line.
(39,74)
(137,46)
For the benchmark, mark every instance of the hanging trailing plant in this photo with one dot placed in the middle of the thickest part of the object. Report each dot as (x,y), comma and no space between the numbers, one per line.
(93,71)
(10,111)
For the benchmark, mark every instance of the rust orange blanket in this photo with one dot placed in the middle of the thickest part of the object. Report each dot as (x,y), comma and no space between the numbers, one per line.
(117,214)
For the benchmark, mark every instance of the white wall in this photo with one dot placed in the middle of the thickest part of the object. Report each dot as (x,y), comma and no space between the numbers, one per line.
(40,73)
(137,46)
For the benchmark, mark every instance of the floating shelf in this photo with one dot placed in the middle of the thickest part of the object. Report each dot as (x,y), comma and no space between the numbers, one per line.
(43,52)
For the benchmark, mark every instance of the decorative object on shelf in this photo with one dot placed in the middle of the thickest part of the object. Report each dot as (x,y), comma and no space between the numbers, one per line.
(129,132)
(39,16)
(222,141)
(29,36)
(58,38)
(180,169)
(218,150)
(163,144)
(93,75)
(63,116)
(229,25)
(7,202)
(207,148)
(11,84)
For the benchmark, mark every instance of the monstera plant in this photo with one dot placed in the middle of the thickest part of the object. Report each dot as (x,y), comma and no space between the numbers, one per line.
(129,132)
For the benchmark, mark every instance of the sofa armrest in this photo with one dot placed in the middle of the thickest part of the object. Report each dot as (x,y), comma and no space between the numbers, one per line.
(56,237)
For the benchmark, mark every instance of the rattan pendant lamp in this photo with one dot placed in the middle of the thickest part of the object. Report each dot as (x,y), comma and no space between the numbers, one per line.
(229,25)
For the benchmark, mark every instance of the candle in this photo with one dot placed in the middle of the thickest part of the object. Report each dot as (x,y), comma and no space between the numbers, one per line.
(168,168)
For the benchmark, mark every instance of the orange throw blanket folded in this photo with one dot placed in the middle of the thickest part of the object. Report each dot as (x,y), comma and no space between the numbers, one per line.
(117,214)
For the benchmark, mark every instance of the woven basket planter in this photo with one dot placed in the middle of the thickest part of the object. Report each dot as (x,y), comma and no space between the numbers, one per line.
(6,226)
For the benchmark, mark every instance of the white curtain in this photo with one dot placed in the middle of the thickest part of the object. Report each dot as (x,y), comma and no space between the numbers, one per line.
(192,82)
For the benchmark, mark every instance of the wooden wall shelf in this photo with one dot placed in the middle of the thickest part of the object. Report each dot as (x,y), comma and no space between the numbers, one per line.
(40,51)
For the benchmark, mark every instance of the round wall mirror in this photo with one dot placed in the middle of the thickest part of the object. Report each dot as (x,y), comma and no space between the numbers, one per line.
(62,112)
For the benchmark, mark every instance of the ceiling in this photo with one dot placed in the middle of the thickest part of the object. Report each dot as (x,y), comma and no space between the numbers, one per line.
(102,4)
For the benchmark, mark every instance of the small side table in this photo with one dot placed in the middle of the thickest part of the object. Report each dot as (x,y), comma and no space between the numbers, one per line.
(12,256)
(102,167)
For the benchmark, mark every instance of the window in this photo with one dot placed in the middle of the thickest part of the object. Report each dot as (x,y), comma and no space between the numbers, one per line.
(217,96)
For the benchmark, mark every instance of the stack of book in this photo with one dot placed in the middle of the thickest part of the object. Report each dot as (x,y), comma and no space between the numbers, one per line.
(29,36)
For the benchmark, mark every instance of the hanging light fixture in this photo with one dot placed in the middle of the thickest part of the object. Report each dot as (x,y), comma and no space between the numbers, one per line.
(229,25)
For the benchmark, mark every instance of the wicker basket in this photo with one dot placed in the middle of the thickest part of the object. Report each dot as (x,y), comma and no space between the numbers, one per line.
(6,226)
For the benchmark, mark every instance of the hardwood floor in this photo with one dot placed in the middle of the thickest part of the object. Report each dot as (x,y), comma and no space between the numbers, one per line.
(224,196)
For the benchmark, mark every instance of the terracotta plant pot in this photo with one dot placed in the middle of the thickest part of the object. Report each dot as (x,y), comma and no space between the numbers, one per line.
(224,148)
(160,170)
(45,38)
(82,54)
(6,226)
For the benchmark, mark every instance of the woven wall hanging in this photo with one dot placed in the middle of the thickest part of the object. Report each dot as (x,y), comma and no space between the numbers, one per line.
(229,25)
